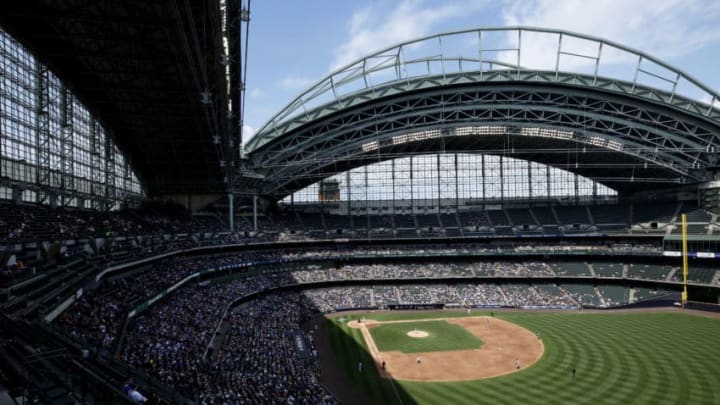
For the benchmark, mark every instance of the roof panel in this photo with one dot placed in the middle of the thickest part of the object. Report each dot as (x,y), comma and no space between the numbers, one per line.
(128,63)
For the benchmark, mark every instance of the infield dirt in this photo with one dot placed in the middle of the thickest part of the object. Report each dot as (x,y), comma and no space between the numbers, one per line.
(504,343)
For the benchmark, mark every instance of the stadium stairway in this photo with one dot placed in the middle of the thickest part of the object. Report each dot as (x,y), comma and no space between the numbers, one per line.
(61,282)
(35,373)
(674,220)
(590,215)
(36,288)
(52,372)
(509,219)
(6,254)
(505,298)
(534,218)
(555,215)
(600,297)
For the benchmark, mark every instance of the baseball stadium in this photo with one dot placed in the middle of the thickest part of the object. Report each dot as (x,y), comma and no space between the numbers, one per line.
(492,215)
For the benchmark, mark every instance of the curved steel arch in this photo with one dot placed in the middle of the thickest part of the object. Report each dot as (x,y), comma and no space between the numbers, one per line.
(354,83)
(662,129)
(648,132)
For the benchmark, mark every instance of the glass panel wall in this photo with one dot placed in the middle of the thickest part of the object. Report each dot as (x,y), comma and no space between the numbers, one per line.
(50,144)
(453,180)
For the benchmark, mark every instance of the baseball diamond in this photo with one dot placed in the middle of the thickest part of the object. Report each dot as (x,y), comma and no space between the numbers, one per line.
(453,350)
(619,357)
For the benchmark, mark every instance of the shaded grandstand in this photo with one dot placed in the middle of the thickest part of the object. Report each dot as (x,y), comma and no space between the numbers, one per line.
(138,247)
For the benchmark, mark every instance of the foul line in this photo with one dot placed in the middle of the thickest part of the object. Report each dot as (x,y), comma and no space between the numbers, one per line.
(377,357)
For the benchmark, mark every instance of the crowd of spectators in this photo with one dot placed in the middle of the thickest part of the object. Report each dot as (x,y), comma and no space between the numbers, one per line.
(432,271)
(95,318)
(522,295)
(335,299)
(260,361)
(97,315)
(385,296)
(134,234)
(480,294)
(168,342)
(420,294)
(553,295)
(20,222)
(469,295)
(23,222)
(518,269)
(257,359)
(312,275)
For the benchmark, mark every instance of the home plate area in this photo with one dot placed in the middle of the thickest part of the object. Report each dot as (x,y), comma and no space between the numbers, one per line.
(449,349)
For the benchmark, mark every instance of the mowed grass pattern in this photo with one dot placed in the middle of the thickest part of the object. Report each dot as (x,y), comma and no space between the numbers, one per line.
(442,336)
(639,358)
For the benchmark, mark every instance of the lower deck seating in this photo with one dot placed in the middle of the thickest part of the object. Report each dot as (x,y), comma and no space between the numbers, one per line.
(498,218)
(648,271)
(521,216)
(381,221)
(427,220)
(607,269)
(404,221)
(334,222)
(448,220)
(474,219)
(654,212)
(614,295)
(544,215)
(571,269)
(584,294)
(610,214)
(572,215)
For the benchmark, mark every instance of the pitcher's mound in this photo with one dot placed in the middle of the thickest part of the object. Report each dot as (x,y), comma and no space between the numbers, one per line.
(417,334)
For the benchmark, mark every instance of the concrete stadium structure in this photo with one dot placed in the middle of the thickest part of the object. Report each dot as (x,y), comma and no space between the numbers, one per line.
(512,167)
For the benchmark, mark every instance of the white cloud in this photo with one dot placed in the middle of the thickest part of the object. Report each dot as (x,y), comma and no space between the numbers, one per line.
(662,28)
(295,83)
(256,93)
(665,29)
(248,132)
(373,28)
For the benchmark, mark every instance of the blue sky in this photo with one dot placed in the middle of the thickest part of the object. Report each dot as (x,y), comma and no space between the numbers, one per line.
(295,43)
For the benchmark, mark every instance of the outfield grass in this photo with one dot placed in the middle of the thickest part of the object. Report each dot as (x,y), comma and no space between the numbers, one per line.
(640,358)
(442,336)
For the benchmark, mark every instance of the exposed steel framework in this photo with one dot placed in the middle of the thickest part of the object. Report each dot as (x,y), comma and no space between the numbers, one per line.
(632,120)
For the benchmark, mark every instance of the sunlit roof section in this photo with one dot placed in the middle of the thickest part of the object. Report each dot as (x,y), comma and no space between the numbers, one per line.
(522,54)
